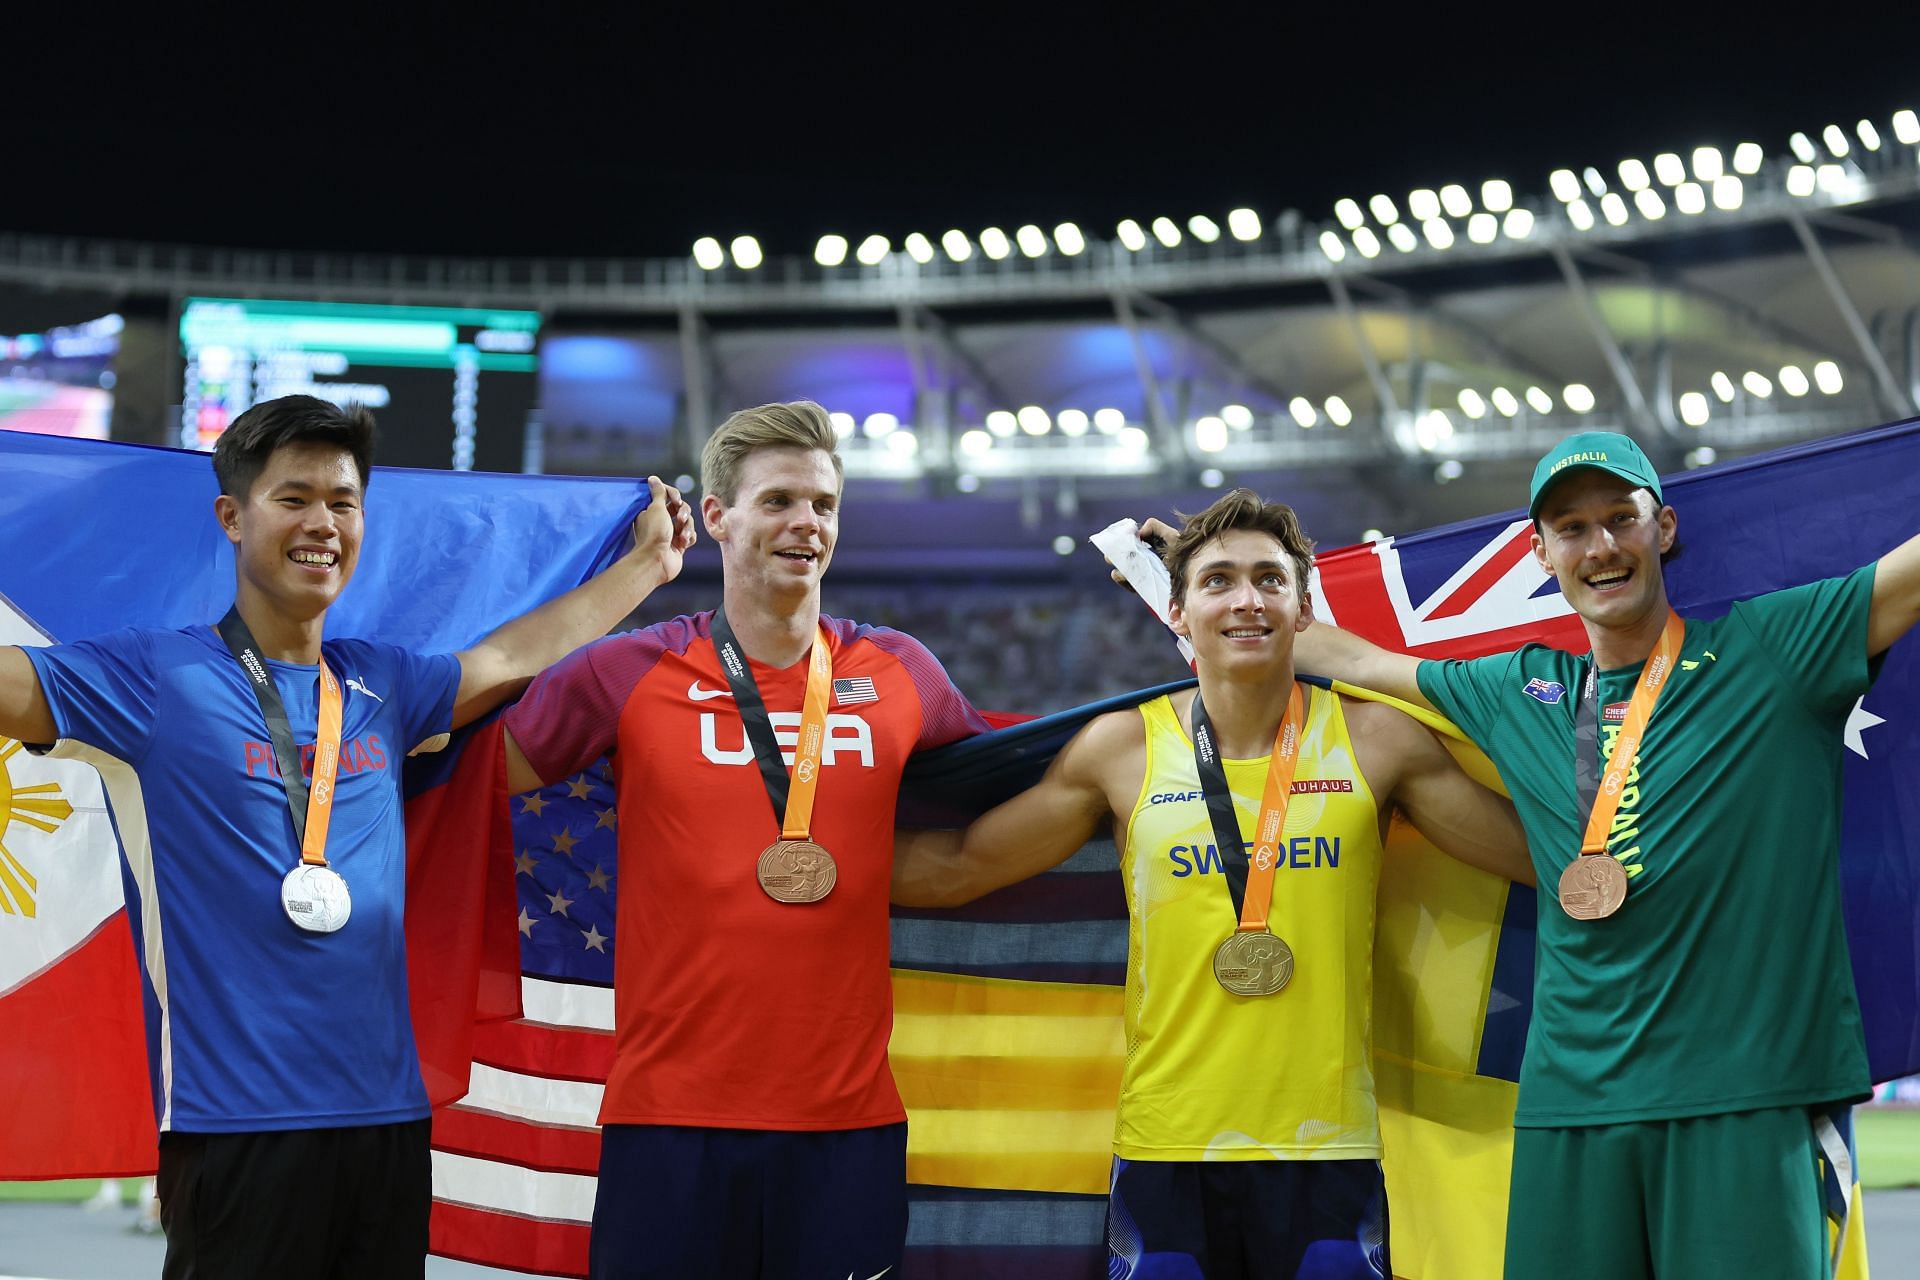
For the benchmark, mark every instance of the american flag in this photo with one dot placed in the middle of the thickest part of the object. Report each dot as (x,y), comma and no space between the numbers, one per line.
(853,689)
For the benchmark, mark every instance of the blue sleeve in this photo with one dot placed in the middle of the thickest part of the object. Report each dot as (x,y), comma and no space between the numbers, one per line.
(1817,636)
(421,687)
(1467,691)
(103,691)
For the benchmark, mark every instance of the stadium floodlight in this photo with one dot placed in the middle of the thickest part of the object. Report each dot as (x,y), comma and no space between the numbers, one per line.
(1166,232)
(1067,238)
(1722,386)
(1455,200)
(1578,397)
(1826,376)
(1131,235)
(1439,233)
(967,482)
(1708,164)
(1002,423)
(1213,477)
(1579,215)
(1204,229)
(1868,135)
(1802,147)
(1302,410)
(1383,211)
(1209,435)
(1243,224)
(1372,535)
(1649,203)
(1108,421)
(1402,238)
(1633,175)
(708,255)
(1756,384)
(1032,240)
(1518,224)
(1423,204)
(1800,180)
(1333,246)
(746,252)
(1496,195)
(1432,429)
(1366,242)
(1595,183)
(1667,168)
(879,426)
(1793,381)
(1702,457)
(1747,158)
(1450,470)
(1906,127)
(1693,409)
(903,444)
(1689,198)
(1348,211)
(1727,192)
(1483,228)
(1034,420)
(1505,401)
(1540,401)
(975,442)
(994,243)
(1832,178)
(1566,187)
(1237,416)
(1836,139)
(872,250)
(919,248)
(1072,422)
(843,424)
(958,247)
(1338,413)
(1614,209)
(1133,440)
(1471,404)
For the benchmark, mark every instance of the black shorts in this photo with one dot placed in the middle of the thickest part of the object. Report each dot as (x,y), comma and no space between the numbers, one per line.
(1247,1220)
(297,1204)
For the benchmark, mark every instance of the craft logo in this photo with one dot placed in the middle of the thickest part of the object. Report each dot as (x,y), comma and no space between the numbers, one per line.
(41,806)
(1547,691)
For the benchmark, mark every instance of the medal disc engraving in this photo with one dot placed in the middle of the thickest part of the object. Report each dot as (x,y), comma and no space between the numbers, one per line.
(1253,964)
(1593,886)
(797,871)
(315,898)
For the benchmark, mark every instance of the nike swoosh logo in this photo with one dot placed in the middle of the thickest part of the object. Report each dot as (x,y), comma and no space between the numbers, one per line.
(875,1276)
(697,694)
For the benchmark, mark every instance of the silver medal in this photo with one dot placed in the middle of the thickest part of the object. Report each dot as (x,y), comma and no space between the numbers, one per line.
(315,898)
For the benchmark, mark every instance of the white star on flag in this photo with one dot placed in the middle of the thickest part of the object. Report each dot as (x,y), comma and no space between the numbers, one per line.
(1857,720)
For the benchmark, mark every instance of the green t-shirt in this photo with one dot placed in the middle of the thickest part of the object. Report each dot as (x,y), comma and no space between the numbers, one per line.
(1722,983)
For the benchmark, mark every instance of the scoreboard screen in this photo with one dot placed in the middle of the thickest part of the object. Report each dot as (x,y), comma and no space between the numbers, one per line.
(450,386)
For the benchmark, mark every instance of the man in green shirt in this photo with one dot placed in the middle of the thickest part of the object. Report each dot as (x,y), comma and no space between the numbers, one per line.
(1693,1005)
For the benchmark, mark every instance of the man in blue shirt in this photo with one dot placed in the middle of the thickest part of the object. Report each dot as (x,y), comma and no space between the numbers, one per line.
(266,912)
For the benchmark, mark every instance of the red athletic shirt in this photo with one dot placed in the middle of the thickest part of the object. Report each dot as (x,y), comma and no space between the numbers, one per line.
(732,1010)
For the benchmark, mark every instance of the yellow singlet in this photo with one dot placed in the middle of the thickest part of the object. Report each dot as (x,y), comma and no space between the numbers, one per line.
(1214,1076)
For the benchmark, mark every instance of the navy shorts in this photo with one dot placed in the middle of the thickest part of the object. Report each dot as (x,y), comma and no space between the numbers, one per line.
(1247,1220)
(749,1204)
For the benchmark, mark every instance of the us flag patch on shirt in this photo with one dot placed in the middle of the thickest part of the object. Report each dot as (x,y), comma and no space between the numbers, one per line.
(854,689)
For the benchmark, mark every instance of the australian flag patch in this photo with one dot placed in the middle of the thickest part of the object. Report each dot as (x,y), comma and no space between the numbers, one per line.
(1547,691)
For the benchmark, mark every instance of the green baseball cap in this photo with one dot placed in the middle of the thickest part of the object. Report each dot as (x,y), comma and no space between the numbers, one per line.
(1607,451)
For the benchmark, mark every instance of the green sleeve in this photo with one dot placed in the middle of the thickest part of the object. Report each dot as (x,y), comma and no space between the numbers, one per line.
(1469,692)
(1817,636)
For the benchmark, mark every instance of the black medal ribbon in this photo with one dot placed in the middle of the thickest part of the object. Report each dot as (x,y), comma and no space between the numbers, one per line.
(753,712)
(246,651)
(1220,811)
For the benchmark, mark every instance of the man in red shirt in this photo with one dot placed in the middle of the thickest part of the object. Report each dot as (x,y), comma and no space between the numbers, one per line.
(751,1127)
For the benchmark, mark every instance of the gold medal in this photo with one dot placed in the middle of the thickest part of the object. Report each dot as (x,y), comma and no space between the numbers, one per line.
(1593,886)
(1253,964)
(797,871)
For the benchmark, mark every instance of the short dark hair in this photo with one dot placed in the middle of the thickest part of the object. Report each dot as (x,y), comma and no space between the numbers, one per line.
(244,447)
(1242,509)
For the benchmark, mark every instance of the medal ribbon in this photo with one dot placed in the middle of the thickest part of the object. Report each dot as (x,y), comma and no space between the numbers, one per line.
(1600,793)
(312,809)
(792,806)
(1251,885)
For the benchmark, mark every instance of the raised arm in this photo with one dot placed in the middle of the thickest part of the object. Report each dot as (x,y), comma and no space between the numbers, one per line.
(503,664)
(1038,829)
(1325,650)
(24,713)
(1464,819)
(1896,596)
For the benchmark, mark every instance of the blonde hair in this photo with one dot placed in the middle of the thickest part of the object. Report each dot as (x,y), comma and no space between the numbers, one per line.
(1238,510)
(799,424)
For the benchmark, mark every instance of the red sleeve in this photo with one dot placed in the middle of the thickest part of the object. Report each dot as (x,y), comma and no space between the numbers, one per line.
(946,715)
(570,715)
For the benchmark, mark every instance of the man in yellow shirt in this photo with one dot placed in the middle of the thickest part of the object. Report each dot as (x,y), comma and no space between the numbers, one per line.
(1250,816)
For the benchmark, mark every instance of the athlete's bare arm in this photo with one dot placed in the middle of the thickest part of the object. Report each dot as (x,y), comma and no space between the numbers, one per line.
(503,664)
(1038,829)
(24,713)
(1895,607)
(1412,771)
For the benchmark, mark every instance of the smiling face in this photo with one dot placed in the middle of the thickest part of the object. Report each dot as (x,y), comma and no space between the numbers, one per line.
(296,533)
(1241,607)
(1601,538)
(777,536)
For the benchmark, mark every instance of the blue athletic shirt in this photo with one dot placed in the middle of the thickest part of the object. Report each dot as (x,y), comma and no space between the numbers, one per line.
(253,1023)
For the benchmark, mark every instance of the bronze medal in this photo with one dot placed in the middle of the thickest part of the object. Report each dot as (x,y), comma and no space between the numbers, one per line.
(1593,886)
(1253,964)
(797,871)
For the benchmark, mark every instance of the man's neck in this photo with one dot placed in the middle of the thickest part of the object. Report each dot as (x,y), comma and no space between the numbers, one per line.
(775,632)
(1631,645)
(1246,712)
(281,639)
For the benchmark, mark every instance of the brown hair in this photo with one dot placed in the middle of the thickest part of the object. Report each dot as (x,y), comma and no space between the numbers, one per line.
(1242,509)
(801,424)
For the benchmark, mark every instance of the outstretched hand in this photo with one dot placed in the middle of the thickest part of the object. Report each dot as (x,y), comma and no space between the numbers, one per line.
(664,529)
